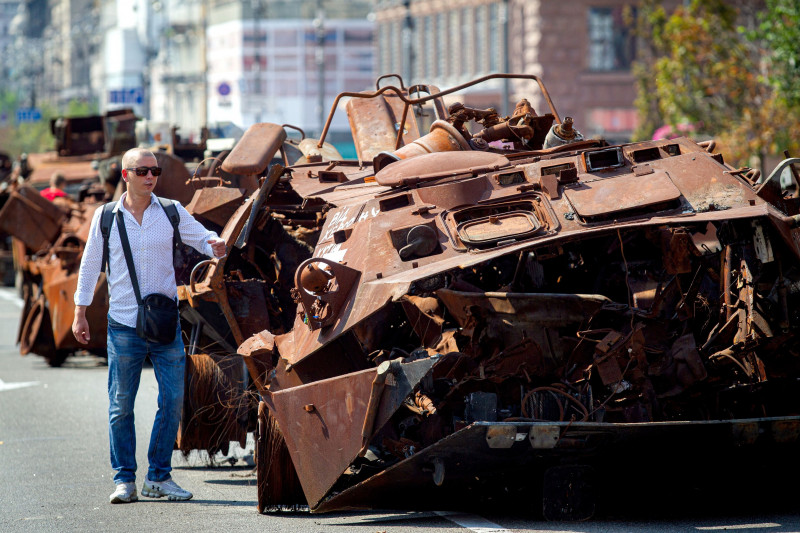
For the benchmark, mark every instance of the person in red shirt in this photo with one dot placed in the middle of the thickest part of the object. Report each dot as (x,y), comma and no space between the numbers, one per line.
(55,190)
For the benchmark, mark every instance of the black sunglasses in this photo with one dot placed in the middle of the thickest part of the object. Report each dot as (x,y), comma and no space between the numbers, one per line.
(142,171)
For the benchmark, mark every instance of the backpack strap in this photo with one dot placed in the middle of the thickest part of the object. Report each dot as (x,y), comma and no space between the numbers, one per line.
(174,219)
(106,220)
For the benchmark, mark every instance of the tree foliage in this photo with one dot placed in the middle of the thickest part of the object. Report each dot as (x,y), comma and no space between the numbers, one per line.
(708,65)
(32,137)
(17,138)
(27,137)
(779,30)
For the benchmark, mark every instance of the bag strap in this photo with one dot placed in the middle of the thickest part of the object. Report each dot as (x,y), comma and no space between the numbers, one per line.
(174,219)
(126,248)
(106,221)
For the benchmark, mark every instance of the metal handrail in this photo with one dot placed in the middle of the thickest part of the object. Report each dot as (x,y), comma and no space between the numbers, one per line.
(418,101)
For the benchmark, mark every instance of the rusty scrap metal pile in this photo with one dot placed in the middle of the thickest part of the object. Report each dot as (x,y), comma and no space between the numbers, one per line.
(515,289)
(492,295)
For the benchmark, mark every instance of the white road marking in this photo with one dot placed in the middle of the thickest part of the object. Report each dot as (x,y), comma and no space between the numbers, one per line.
(11,297)
(11,386)
(473,522)
(738,526)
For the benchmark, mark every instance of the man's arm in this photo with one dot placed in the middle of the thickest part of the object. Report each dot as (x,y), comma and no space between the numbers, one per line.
(87,278)
(198,237)
(218,247)
(80,327)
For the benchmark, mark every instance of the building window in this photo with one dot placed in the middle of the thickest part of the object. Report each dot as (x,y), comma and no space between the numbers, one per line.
(358,37)
(611,45)
(417,46)
(496,33)
(357,61)
(455,45)
(284,38)
(481,30)
(396,44)
(441,44)
(384,64)
(428,47)
(467,41)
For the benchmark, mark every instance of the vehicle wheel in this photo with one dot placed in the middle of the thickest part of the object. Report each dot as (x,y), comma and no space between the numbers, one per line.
(568,493)
(58,358)
(278,484)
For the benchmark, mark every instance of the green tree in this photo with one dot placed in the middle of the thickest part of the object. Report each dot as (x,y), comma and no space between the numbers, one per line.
(699,65)
(80,108)
(29,137)
(778,35)
(779,30)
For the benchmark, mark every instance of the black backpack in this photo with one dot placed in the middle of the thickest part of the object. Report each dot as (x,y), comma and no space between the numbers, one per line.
(107,219)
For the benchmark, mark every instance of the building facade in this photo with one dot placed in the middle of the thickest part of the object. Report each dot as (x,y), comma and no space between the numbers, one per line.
(285,62)
(23,53)
(193,62)
(189,63)
(581,49)
(9,29)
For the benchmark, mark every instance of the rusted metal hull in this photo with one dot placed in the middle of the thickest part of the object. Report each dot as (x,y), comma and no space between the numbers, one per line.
(506,457)
(479,301)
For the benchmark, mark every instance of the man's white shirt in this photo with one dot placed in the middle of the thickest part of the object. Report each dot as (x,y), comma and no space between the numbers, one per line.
(151,248)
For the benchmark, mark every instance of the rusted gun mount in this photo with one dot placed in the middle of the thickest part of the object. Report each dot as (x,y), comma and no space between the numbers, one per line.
(323,292)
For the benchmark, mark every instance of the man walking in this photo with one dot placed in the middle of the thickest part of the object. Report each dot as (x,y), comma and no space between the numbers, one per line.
(150,234)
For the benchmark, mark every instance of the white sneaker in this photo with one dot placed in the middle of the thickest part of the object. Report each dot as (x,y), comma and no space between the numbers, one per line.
(168,488)
(125,493)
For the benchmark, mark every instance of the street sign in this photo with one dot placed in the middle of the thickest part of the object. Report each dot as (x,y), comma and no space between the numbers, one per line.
(224,89)
(28,114)
(126,96)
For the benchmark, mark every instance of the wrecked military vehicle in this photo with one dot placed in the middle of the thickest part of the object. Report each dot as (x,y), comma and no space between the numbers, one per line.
(496,297)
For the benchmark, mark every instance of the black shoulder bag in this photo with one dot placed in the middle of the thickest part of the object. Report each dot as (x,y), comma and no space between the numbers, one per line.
(157,318)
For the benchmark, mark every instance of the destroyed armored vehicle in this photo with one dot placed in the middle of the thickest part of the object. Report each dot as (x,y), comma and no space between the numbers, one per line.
(494,299)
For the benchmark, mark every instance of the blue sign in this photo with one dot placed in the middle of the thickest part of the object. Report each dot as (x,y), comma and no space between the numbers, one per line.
(224,89)
(29,114)
(126,96)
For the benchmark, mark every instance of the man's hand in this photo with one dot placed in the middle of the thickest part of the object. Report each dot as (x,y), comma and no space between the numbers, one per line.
(218,247)
(80,327)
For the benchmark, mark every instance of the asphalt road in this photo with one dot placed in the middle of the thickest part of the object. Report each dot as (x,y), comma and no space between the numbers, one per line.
(55,474)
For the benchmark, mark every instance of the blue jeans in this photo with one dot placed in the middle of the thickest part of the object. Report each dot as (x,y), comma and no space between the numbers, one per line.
(126,355)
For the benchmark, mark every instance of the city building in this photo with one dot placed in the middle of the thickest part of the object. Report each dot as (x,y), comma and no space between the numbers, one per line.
(581,49)
(71,43)
(285,62)
(9,28)
(22,58)
(192,63)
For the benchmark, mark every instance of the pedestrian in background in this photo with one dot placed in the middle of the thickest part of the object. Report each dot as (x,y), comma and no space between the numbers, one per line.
(150,234)
(56,188)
